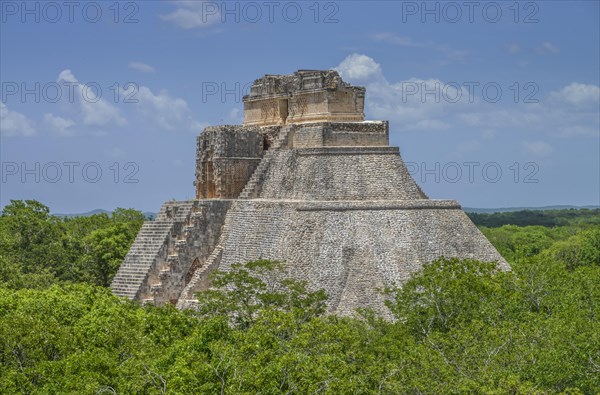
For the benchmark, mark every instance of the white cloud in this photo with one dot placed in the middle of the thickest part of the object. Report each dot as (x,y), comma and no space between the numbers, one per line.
(429,105)
(552,118)
(358,67)
(538,148)
(59,125)
(101,113)
(166,112)
(192,14)
(569,112)
(13,123)
(67,76)
(96,116)
(578,94)
(93,109)
(157,110)
(141,67)
(409,102)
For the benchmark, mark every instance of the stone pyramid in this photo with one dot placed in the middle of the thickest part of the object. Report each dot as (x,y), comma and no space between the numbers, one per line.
(308,181)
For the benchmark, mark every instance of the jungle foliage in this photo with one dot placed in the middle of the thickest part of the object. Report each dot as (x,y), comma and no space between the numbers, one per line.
(459,326)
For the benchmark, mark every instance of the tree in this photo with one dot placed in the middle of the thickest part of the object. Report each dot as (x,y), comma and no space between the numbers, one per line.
(248,289)
(105,250)
(445,293)
(582,249)
(30,236)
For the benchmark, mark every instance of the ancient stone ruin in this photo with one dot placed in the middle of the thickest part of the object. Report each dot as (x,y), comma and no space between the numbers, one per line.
(308,181)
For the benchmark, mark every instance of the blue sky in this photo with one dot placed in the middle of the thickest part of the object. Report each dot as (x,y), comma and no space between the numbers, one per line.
(494,104)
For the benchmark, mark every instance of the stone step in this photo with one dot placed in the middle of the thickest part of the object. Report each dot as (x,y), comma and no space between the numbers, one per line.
(141,250)
(125,288)
(127,270)
(126,293)
(133,260)
(138,265)
(153,225)
(127,276)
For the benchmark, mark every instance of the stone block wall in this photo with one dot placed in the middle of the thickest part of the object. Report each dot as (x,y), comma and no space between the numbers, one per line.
(350,249)
(309,135)
(338,173)
(324,105)
(336,134)
(267,111)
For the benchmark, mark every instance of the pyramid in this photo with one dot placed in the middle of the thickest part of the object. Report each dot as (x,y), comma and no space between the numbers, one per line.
(305,180)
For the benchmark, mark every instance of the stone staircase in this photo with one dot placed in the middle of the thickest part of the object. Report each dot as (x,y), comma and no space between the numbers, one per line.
(253,186)
(150,248)
(200,278)
(164,282)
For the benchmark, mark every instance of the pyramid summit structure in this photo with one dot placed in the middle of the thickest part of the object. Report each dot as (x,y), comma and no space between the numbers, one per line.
(305,180)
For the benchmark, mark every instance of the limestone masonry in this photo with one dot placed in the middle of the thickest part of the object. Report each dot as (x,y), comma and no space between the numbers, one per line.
(308,181)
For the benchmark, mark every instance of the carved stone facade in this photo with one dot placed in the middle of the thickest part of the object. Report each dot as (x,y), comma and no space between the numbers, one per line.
(307,181)
(305,96)
(226,156)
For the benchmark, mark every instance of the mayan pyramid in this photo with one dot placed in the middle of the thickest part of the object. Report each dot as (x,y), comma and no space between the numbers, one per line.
(308,181)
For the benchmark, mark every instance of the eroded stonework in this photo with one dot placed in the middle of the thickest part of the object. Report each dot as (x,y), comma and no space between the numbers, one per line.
(310,183)
(305,96)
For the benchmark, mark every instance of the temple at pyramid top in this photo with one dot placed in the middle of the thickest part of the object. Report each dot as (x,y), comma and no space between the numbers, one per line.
(305,96)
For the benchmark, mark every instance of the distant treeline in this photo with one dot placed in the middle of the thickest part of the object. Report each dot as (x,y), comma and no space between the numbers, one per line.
(549,218)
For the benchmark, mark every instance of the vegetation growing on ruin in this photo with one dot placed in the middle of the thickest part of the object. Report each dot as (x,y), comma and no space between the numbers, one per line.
(460,325)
